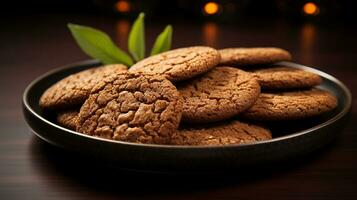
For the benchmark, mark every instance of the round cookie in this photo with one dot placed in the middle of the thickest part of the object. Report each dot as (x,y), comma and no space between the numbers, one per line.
(68,119)
(180,64)
(233,132)
(132,107)
(291,105)
(253,56)
(285,78)
(74,89)
(219,94)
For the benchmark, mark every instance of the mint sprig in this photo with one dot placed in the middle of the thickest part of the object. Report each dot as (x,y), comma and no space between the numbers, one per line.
(136,41)
(98,44)
(163,41)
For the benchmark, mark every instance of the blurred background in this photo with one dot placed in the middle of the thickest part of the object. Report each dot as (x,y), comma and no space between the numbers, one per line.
(301,26)
(317,32)
(218,10)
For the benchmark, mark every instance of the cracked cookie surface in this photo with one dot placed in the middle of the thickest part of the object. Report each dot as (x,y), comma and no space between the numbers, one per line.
(291,105)
(68,119)
(232,132)
(219,94)
(132,107)
(180,64)
(74,89)
(285,78)
(253,56)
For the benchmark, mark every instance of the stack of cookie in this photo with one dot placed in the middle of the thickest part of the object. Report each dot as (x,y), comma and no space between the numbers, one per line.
(188,96)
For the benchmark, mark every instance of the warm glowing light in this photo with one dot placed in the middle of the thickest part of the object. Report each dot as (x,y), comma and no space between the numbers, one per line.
(308,36)
(311,8)
(210,32)
(122,32)
(211,8)
(122,6)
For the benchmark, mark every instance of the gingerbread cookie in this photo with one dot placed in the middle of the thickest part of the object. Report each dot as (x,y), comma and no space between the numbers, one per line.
(286,78)
(291,105)
(217,95)
(232,132)
(253,56)
(132,107)
(74,89)
(180,64)
(68,119)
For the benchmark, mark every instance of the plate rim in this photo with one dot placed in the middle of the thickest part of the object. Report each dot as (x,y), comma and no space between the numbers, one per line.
(346,108)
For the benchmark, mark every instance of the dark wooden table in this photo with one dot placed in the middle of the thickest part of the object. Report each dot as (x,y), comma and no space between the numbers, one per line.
(32,169)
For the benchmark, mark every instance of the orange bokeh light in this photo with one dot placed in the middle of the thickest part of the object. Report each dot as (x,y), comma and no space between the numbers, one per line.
(210,32)
(211,8)
(311,8)
(122,6)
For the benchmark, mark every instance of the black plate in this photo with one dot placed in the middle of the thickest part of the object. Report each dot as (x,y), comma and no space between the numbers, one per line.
(290,138)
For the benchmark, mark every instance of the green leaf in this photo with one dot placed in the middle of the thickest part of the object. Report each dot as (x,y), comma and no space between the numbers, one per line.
(98,44)
(136,41)
(163,41)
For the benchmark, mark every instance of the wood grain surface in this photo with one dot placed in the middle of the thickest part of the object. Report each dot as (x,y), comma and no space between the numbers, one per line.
(33,169)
